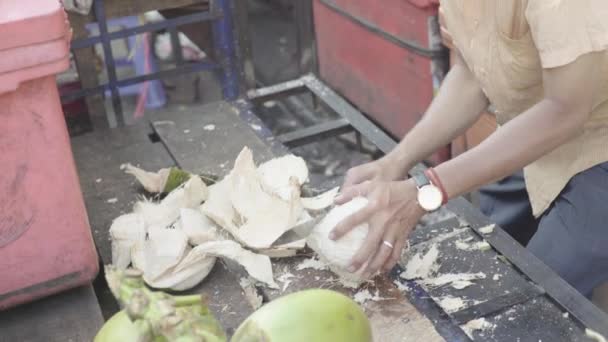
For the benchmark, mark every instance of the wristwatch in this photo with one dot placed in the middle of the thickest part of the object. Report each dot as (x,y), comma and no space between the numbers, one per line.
(430,197)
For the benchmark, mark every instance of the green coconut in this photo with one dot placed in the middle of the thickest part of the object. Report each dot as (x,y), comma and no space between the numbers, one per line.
(309,315)
(154,316)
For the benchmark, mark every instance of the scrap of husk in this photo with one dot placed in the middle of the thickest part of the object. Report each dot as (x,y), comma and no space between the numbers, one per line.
(266,216)
(218,206)
(153,182)
(163,214)
(276,174)
(336,318)
(191,270)
(284,250)
(126,231)
(197,227)
(339,253)
(322,201)
(156,316)
(163,249)
(257,266)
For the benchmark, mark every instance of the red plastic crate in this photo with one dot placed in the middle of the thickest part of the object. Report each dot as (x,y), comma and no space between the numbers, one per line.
(45,239)
(377,55)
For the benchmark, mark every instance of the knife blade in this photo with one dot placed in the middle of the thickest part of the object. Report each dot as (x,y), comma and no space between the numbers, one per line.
(305,228)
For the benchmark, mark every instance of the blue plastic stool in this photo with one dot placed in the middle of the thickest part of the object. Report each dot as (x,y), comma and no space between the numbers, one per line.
(155,97)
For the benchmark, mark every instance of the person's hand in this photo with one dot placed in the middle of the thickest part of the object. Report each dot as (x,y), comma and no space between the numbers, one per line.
(392,213)
(383,169)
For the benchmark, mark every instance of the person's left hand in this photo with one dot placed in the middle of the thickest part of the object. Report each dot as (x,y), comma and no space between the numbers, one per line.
(392,213)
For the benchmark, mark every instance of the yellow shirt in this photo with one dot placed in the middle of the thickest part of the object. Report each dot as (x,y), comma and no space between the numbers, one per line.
(507,43)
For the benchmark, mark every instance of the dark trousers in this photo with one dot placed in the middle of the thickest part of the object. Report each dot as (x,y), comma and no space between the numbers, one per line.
(571,236)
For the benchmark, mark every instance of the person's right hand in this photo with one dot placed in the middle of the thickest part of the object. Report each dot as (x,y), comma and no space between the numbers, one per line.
(379,170)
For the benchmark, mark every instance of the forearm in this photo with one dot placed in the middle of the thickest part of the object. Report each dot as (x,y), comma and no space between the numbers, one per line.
(456,107)
(523,140)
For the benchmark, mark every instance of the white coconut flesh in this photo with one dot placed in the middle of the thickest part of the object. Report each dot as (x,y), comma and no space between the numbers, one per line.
(125,232)
(164,249)
(276,175)
(153,182)
(163,214)
(197,227)
(258,266)
(194,267)
(320,202)
(266,216)
(218,206)
(339,253)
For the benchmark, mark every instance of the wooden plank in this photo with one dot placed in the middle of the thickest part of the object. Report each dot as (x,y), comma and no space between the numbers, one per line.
(200,150)
(392,319)
(556,287)
(207,138)
(537,320)
(73,315)
(225,297)
(99,155)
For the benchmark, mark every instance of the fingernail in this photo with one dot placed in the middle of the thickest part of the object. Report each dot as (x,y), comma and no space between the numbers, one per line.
(332,236)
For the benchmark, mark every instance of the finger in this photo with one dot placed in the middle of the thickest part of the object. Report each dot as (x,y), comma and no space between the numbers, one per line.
(353,221)
(384,250)
(368,249)
(396,254)
(347,194)
(357,175)
(382,255)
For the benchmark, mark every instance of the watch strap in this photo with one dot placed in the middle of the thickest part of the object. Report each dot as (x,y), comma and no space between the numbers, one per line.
(431,174)
(421,180)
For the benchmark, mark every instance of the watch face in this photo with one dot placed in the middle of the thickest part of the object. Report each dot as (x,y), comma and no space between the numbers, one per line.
(430,197)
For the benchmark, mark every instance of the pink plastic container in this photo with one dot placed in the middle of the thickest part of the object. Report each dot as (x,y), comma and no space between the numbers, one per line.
(45,240)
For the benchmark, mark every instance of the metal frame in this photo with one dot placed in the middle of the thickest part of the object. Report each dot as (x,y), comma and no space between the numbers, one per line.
(554,286)
(225,47)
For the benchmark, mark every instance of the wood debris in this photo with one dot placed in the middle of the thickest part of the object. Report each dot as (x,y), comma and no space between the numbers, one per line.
(461,280)
(489,229)
(475,246)
(594,335)
(312,263)
(480,324)
(251,293)
(422,266)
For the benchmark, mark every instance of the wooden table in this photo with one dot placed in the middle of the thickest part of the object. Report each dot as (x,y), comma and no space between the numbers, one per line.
(522,310)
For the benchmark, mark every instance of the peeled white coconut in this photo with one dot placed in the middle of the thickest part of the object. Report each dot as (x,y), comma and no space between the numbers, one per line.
(197,227)
(125,232)
(163,214)
(164,249)
(276,173)
(338,254)
(266,216)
